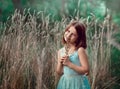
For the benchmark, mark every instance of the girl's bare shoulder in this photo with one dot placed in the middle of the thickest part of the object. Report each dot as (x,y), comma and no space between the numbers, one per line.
(81,50)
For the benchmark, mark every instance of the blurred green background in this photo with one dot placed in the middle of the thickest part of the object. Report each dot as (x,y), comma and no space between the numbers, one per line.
(58,8)
(72,8)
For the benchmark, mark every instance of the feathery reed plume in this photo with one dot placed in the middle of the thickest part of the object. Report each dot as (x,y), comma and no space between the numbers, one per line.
(66,49)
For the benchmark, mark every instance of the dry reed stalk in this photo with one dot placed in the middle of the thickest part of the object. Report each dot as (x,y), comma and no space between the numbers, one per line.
(66,49)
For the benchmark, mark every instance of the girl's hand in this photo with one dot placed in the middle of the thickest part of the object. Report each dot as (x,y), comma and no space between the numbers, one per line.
(62,59)
(66,60)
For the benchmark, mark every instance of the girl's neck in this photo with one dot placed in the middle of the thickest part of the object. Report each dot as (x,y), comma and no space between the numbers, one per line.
(72,46)
(70,49)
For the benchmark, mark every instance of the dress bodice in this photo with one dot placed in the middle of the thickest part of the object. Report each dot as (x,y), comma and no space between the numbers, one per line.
(74,58)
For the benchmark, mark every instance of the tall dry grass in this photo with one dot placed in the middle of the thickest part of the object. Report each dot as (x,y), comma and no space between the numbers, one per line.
(28,51)
(99,51)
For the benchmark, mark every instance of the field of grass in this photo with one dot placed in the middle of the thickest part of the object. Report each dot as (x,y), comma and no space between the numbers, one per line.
(28,51)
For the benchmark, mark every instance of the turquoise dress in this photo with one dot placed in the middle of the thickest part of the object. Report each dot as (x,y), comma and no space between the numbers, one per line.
(71,79)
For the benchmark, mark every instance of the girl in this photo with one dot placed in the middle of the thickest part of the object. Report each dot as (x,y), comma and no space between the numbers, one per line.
(72,59)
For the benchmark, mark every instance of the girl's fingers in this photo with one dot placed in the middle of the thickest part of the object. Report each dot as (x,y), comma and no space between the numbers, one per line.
(61,61)
(65,57)
(62,58)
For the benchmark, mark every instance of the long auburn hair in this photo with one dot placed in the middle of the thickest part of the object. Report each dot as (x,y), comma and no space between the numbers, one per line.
(81,32)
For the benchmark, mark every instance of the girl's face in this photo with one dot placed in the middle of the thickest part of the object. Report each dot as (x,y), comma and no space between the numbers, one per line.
(71,35)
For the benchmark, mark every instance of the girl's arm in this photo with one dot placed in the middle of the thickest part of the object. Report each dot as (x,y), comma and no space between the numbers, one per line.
(59,69)
(84,68)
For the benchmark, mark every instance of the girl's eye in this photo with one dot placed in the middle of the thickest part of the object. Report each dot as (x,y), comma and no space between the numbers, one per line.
(73,34)
(68,31)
